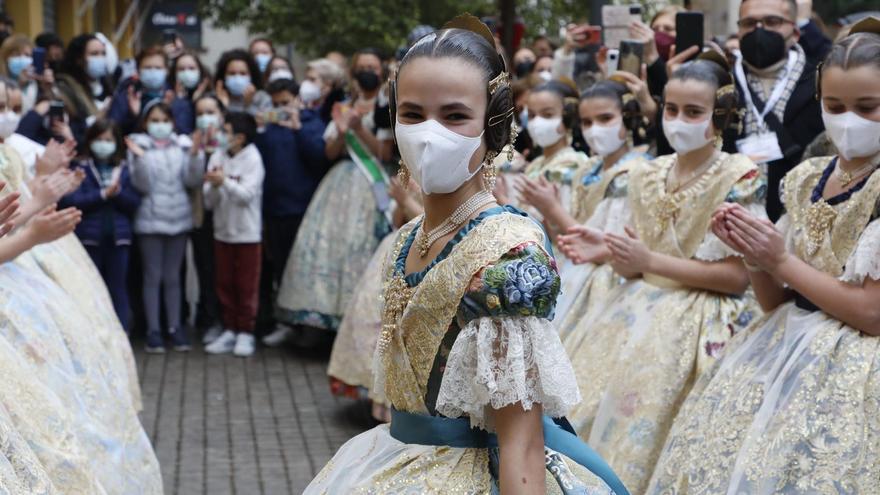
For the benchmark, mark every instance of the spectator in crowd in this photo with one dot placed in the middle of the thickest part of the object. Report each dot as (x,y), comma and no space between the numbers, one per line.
(322,87)
(262,50)
(82,82)
(292,148)
(108,202)
(543,47)
(164,166)
(278,68)
(54,47)
(190,80)
(134,93)
(239,83)
(17,62)
(777,82)
(233,189)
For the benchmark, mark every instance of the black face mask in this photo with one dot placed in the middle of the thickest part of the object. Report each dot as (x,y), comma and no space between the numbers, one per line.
(367,80)
(762,48)
(524,68)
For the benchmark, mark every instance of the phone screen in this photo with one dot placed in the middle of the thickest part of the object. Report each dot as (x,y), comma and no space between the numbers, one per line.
(631,55)
(689,31)
(39,55)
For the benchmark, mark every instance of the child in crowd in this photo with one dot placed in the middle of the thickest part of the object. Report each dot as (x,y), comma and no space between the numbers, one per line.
(108,202)
(233,189)
(164,165)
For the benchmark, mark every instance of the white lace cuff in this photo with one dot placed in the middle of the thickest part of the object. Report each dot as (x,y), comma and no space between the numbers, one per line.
(865,258)
(496,362)
(611,215)
(713,249)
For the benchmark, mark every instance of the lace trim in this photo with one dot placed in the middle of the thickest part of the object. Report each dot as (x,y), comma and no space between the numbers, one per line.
(713,249)
(865,258)
(498,362)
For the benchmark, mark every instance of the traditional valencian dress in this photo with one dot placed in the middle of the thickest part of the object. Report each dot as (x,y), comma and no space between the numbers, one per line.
(598,201)
(794,404)
(342,227)
(468,334)
(641,351)
(68,418)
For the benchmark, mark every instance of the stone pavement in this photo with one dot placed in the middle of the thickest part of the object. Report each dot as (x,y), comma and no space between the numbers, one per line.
(258,426)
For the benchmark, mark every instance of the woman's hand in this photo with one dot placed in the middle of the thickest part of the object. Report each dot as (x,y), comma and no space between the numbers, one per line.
(51,225)
(215,177)
(249,93)
(222,93)
(201,88)
(541,193)
(134,147)
(9,206)
(48,189)
(57,156)
(643,33)
(582,245)
(629,251)
(676,60)
(341,121)
(111,191)
(638,86)
(756,238)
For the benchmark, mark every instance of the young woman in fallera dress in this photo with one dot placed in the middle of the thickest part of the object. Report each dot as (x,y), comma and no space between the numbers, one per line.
(468,357)
(792,407)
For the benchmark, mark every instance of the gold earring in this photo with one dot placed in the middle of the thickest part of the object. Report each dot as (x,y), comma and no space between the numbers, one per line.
(490,171)
(403,174)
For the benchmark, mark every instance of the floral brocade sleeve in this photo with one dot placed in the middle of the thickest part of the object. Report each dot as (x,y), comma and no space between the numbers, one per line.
(523,282)
(508,351)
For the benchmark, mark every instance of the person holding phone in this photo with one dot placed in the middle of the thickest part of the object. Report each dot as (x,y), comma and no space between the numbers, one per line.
(108,202)
(17,62)
(777,82)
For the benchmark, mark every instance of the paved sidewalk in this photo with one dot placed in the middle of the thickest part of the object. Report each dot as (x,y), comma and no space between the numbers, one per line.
(258,426)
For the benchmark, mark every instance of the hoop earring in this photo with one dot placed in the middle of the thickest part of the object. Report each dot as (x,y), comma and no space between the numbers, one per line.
(490,171)
(403,175)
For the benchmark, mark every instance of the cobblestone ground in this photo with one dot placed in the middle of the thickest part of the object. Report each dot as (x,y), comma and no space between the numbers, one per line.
(258,426)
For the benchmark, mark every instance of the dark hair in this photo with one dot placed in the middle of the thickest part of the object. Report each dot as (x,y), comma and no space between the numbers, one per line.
(244,56)
(268,71)
(243,123)
(726,105)
(151,51)
(280,85)
(47,39)
(74,61)
(100,127)
(172,72)
(210,96)
(541,37)
(617,92)
(567,95)
(264,40)
(856,50)
(478,52)
(792,8)
(155,105)
(5,19)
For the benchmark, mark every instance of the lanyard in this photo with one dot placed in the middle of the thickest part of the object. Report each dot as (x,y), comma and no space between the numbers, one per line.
(775,95)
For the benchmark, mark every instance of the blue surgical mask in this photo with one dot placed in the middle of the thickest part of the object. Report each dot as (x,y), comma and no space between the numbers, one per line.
(222,140)
(96,66)
(103,149)
(237,84)
(160,130)
(189,78)
(207,120)
(263,60)
(17,64)
(153,78)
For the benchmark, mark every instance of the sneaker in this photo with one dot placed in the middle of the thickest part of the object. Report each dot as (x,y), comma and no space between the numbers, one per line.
(211,334)
(244,344)
(154,343)
(278,336)
(223,344)
(179,339)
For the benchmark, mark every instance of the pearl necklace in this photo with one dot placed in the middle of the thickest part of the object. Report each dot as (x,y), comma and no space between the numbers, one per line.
(458,217)
(845,178)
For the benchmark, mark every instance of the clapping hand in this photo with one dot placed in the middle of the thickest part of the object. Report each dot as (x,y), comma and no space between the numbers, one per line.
(629,251)
(583,245)
(52,224)
(215,177)
(541,193)
(9,206)
(757,239)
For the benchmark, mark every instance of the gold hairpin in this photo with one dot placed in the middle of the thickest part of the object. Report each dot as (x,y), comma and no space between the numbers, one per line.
(499,118)
(725,90)
(501,80)
(626,98)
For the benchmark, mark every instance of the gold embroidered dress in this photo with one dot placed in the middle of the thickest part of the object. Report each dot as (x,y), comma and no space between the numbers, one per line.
(641,351)
(468,334)
(794,404)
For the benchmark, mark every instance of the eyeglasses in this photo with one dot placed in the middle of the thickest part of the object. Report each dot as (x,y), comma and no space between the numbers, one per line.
(770,22)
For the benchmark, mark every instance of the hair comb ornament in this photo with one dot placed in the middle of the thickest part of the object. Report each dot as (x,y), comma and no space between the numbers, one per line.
(500,81)
(869,24)
(725,90)
(470,23)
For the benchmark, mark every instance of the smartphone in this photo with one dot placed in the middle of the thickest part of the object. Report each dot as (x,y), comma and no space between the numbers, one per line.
(688,31)
(39,60)
(612,60)
(275,116)
(632,54)
(56,110)
(616,20)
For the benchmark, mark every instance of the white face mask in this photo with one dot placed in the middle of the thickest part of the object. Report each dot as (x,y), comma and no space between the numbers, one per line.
(853,135)
(309,91)
(685,137)
(437,158)
(8,123)
(544,131)
(280,74)
(545,75)
(604,140)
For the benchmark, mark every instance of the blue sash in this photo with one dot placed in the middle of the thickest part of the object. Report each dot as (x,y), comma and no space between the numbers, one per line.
(559,436)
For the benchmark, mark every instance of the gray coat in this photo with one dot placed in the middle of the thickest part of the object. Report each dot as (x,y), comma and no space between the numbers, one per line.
(163,176)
